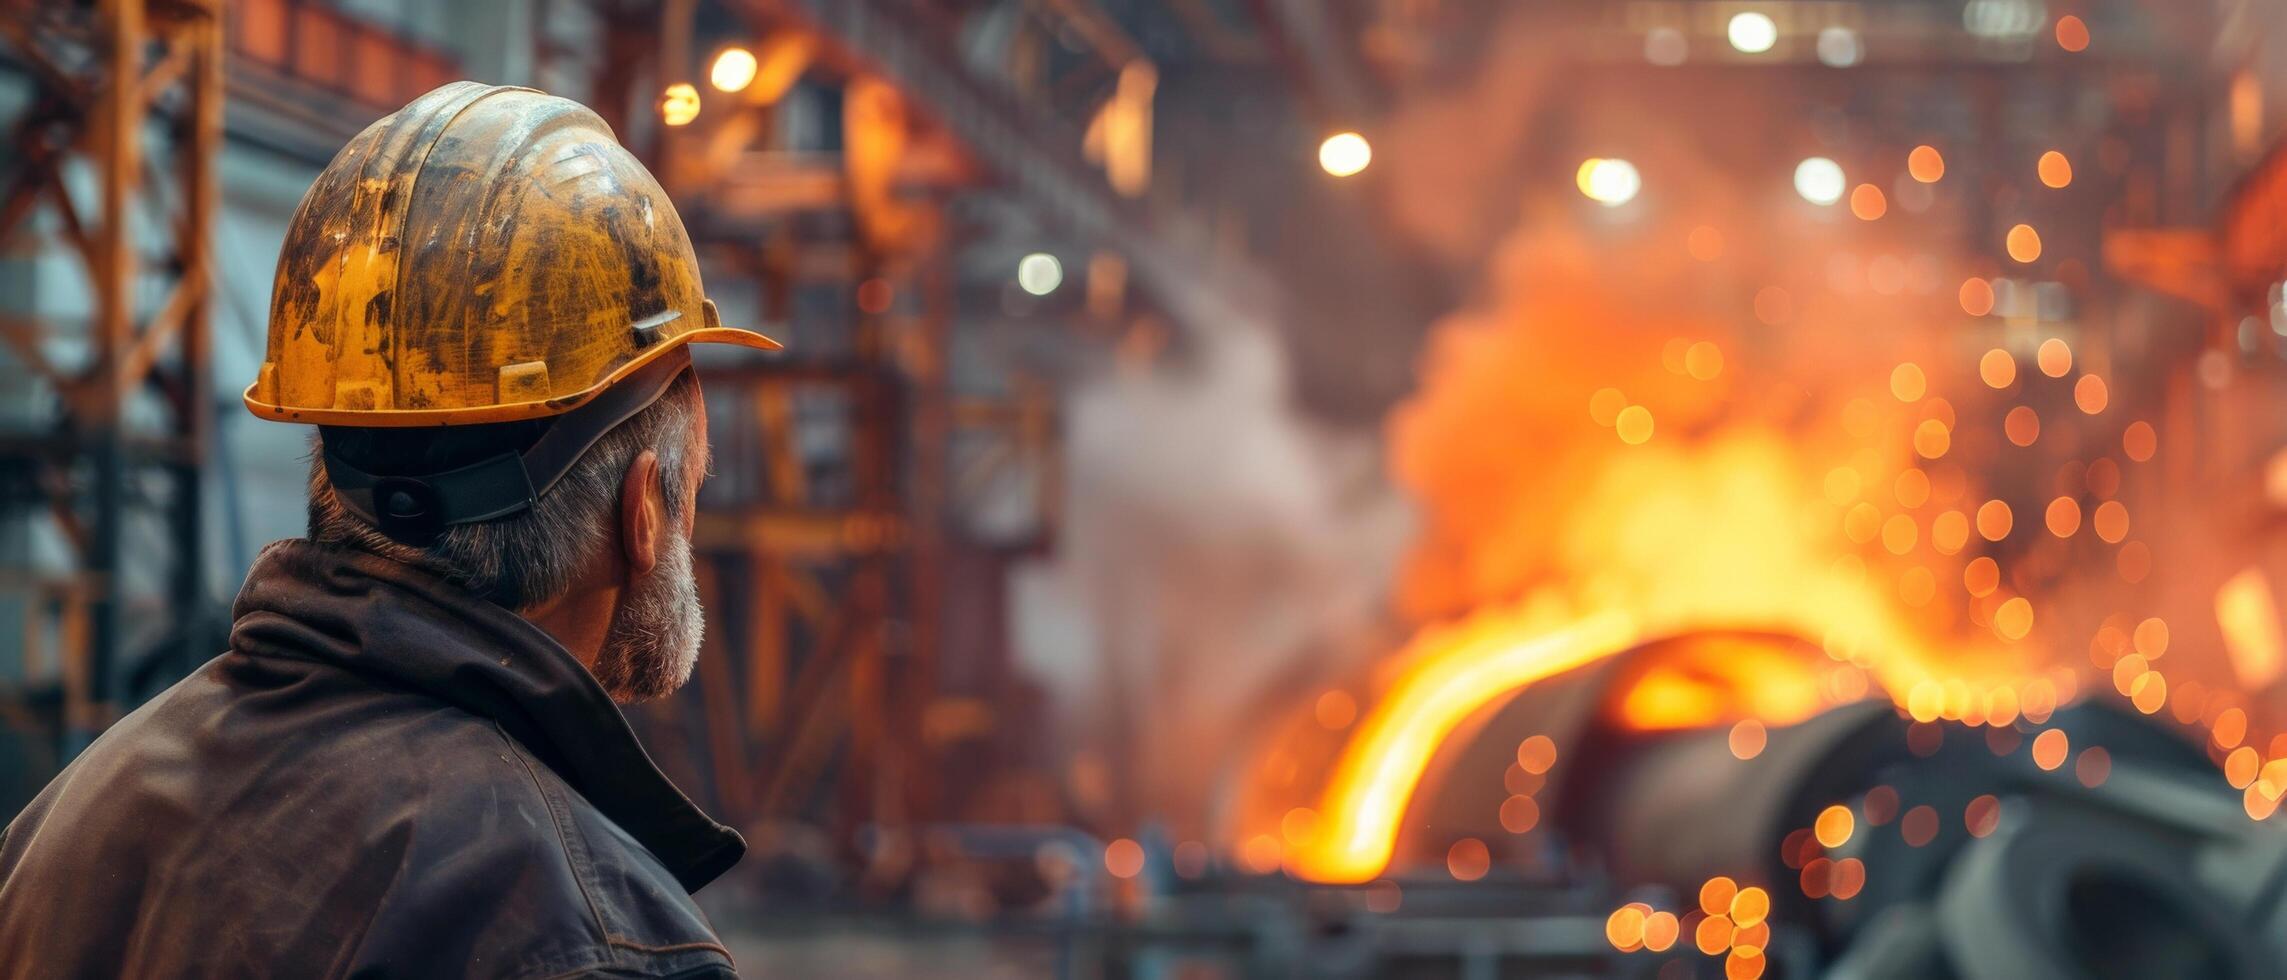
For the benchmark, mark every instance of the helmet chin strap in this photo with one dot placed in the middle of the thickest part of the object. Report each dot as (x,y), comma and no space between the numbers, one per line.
(415,509)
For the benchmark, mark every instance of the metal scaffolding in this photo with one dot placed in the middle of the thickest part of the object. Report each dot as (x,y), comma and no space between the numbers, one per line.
(126,96)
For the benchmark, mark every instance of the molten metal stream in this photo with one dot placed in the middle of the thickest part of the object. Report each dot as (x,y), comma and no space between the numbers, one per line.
(1384,761)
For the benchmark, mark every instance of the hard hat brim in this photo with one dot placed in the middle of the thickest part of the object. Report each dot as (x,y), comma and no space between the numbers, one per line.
(514,411)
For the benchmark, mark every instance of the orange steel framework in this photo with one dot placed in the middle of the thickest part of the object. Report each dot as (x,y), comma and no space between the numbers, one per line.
(820,695)
(106,79)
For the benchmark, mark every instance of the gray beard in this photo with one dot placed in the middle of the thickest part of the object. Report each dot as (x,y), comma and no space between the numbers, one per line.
(654,637)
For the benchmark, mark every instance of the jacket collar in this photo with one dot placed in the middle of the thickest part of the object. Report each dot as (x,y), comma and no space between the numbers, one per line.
(406,627)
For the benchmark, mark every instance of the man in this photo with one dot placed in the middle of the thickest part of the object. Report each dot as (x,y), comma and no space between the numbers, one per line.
(410,763)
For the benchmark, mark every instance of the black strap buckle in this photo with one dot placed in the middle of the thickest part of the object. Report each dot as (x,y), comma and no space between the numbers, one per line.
(406,509)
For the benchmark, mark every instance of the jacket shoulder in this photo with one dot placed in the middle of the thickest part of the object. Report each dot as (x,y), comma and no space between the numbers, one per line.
(642,920)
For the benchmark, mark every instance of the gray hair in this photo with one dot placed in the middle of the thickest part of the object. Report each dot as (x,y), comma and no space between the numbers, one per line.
(527,559)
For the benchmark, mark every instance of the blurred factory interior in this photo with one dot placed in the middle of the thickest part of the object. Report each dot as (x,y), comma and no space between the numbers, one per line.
(1317,488)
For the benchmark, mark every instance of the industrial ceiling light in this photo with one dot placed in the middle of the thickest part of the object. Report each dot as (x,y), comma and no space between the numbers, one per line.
(1343,154)
(679,104)
(1752,32)
(1666,47)
(1840,47)
(1820,181)
(1039,273)
(733,70)
(1609,182)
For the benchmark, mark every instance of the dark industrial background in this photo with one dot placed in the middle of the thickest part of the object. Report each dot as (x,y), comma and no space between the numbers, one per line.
(1425,488)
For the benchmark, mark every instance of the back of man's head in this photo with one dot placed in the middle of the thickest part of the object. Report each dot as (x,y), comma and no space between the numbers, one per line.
(530,557)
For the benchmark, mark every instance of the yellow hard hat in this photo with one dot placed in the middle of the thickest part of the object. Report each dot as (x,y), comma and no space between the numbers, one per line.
(484,254)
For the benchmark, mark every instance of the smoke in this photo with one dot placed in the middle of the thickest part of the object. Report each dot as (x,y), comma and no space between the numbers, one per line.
(1217,547)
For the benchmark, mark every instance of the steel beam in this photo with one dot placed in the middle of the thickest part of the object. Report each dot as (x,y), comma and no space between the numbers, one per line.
(1173,253)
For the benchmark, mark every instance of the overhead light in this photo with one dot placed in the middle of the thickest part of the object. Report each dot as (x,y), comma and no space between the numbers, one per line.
(679,104)
(733,70)
(1840,47)
(1343,154)
(1752,32)
(1609,182)
(1039,273)
(1666,47)
(2004,20)
(1820,181)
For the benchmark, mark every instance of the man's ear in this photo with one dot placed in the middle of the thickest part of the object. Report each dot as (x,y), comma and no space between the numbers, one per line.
(642,513)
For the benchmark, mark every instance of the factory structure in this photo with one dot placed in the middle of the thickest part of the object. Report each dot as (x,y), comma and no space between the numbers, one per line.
(1291,488)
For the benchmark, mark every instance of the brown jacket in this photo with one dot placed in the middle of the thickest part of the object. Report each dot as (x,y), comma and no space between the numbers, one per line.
(384,777)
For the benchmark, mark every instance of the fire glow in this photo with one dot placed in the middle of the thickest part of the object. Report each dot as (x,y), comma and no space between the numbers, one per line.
(1597,469)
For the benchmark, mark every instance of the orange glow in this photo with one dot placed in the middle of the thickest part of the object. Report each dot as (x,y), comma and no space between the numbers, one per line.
(2134,562)
(1661,930)
(1744,963)
(1981,576)
(2090,394)
(1634,424)
(679,104)
(2050,748)
(2251,635)
(1789,505)
(2022,425)
(2064,517)
(1976,296)
(1713,935)
(1463,666)
(1919,826)
(1750,907)
(1716,679)
(1833,826)
(2139,441)
(2230,727)
(2024,244)
(1124,858)
(1520,814)
(1867,202)
(1912,488)
(1757,570)
(1468,859)
(2111,521)
(1949,532)
(2150,692)
(1715,897)
(2014,619)
(1817,877)
(2054,169)
(1747,739)
(2151,638)
(2072,33)
(2240,766)
(1847,879)
(1260,854)
(1536,754)
(1336,709)
(1997,369)
(1993,520)
(1932,439)
(1926,164)
(1299,826)
(1983,816)
(1624,928)
(2055,357)
(1604,406)
(1907,383)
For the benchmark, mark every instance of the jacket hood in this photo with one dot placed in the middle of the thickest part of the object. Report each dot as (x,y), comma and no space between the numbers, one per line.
(406,628)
